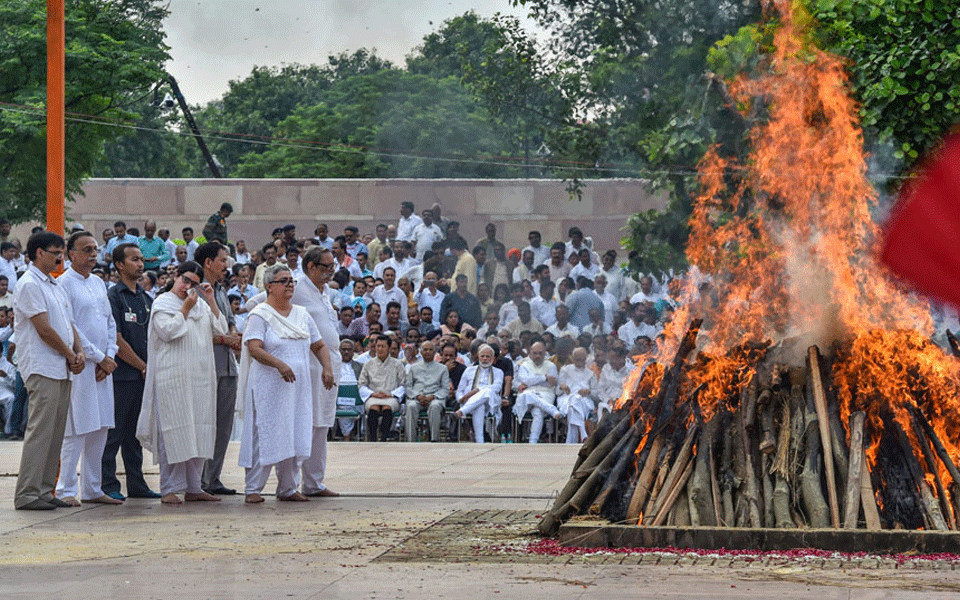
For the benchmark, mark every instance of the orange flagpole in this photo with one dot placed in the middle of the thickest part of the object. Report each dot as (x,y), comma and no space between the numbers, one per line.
(56,126)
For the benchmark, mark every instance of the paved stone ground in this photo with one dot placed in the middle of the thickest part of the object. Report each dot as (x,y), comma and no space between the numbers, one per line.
(416,520)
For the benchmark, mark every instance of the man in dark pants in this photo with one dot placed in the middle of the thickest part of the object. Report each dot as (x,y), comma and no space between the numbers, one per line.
(212,256)
(131,311)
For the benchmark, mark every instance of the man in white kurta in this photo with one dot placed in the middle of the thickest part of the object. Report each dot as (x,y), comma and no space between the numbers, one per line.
(178,418)
(612,377)
(576,385)
(313,294)
(536,381)
(91,397)
(479,392)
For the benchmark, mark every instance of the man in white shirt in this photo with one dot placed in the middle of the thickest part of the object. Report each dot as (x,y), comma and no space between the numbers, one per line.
(322,233)
(536,380)
(563,327)
(612,377)
(613,273)
(559,267)
(408,222)
(630,330)
(508,312)
(164,234)
(541,254)
(576,384)
(586,268)
(609,300)
(191,243)
(646,293)
(6,296)
(402,259)
(387,293)
(8,251)
(576,244)
(544,308)
(49,350)
(429,296)
(426,234)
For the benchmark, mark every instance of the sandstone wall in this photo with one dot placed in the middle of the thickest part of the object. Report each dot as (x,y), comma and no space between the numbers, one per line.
(516,206)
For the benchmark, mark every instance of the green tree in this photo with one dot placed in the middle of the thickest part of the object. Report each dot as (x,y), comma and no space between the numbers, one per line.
(114,55)
(386,124)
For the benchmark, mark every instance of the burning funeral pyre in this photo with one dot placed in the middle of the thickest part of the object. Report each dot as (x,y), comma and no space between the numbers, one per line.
(799,387)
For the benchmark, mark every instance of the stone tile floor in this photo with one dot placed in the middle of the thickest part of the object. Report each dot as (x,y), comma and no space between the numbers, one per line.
(415,520)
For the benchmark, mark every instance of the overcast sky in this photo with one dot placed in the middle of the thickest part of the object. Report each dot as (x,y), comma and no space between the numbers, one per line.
(215,41)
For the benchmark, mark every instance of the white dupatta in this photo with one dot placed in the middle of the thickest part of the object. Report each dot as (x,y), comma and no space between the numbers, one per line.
(283,327)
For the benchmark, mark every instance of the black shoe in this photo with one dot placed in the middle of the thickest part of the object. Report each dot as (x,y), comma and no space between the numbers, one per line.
(146,494)
(222,491)
(38,504)
(58,503)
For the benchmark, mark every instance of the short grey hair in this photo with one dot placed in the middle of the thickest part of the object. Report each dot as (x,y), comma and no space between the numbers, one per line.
(271,273)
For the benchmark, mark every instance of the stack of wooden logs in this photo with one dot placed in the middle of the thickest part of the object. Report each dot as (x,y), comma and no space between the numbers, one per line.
(757,459)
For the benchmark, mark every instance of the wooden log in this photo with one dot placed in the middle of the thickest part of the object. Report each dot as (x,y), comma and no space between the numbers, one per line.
(596,456)
(769,518)
(627,456)
(700,490)
(715,487)
(725,476)
(603,429)
(781,462)
(871,515)
(680,514)
(683,456)
(823,420)
(851,502)
(649,514)
(931,510)
(582,483)
(813,502)
(945,508)
(645,480)
(751,492)
(768,442)
(674,492)
(938,446)
(954,343)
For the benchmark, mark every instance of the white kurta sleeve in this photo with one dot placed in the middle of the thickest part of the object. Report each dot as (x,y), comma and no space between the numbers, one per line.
(112,347)
(466,382)
(92,352)
(169,326)
(363,383)
(219,325)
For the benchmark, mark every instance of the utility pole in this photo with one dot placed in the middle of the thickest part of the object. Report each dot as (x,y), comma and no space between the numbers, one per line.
(193,127)
(56,125)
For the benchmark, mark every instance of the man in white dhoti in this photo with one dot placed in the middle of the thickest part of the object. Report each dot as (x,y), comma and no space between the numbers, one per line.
(277,388)
(178,419)
(576,385)
(428,385)
(536,382)
(91,396)
(313,294)
(612,377)
(479,392)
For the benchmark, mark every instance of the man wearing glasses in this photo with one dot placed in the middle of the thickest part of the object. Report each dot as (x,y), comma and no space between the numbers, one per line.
(312,293)
(49,350)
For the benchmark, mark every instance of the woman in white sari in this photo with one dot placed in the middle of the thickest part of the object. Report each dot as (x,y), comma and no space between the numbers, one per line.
(178,419)
(277,388)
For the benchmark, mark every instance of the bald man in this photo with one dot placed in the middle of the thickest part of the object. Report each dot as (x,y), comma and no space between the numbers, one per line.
(577,384)
(536,381)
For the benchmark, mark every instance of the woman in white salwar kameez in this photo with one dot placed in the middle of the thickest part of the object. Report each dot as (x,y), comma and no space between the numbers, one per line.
(178,418)
(277,388)
(577,384)
(479,392)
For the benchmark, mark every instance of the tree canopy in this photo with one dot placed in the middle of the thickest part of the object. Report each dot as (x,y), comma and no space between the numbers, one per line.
(102,82)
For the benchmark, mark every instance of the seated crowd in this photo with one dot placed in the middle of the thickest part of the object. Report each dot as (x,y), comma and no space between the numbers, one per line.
(434,337)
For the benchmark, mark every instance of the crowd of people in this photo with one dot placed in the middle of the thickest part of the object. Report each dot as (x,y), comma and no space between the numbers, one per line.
(406,332)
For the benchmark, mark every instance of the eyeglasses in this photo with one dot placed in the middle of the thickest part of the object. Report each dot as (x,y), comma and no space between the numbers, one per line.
(191,283)
(54,252)
(285,281)
(327,266)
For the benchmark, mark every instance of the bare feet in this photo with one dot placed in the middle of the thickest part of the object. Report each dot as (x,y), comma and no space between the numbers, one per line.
(201,497)
(294,497)
(71,501)
(324,493)
(253,499)
(103,500)
(171,499)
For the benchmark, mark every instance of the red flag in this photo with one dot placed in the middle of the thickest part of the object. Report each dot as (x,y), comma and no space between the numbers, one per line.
(922,238)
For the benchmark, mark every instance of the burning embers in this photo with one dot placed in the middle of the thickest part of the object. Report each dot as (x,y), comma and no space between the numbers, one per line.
(741,421)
